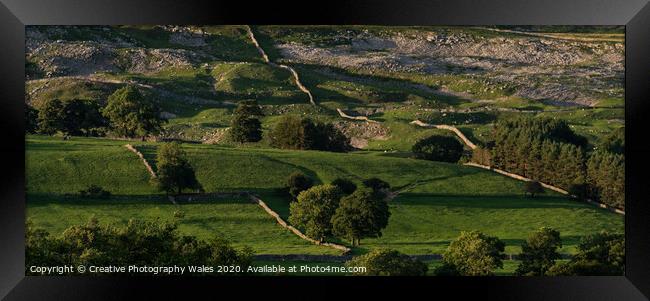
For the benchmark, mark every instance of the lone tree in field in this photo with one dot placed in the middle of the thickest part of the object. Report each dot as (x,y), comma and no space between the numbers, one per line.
(297,183)
(245,125)
(533,188)
(131,114)
(438,148)
(174,171)
(472,254)
(539,252)
(314,209)
(388,263)
(360,215)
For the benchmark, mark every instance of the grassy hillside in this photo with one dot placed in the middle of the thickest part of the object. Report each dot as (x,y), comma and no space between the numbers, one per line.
(241,222)
(438,201)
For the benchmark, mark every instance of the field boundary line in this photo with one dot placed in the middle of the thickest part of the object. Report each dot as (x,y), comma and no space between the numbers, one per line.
(343,258)
(293,72)
(454,129)
(548,186)
(291,228)
(359,118)
(144,161)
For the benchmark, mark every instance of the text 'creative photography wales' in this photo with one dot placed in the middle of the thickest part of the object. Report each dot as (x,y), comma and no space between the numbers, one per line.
(325,150)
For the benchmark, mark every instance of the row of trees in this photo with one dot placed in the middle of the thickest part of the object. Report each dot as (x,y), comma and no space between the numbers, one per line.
(477,254)
(547,150)
(290,132)
(128,113)
(294,132)
(341,209)
(138,243)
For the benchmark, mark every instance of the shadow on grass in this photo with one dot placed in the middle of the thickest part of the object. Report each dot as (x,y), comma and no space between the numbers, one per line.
(505,201)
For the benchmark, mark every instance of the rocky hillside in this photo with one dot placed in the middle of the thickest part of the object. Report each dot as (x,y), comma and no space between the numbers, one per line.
(458,75)
(552,68)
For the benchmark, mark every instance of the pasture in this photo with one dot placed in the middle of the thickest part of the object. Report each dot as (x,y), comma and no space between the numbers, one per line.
(437,200)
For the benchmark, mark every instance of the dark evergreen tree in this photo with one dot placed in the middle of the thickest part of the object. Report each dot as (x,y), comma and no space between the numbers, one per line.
(245,125)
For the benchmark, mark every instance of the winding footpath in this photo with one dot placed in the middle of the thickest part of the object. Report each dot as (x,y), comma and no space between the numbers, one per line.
(293,72)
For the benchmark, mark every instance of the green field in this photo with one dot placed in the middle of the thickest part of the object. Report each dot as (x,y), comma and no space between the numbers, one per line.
(242,223)
(438,200)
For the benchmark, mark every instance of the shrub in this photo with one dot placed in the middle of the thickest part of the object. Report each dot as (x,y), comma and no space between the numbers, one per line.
(95,192)
(438,148)
(297,183)
(388,263)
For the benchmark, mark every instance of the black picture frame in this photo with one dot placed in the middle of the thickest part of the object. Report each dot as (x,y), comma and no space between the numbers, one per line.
(635,15)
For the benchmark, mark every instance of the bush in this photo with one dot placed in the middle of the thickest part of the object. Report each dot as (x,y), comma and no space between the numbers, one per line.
(297,183)
(388,263)
(438,148)
(94,192)
(346,186)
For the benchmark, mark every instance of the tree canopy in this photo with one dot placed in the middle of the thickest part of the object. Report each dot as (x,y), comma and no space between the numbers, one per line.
(174,170)
(598,255)
(245,125)
(383,262)
(294,132)
(314,209)
(298,182)
(438,148)
(131,114)
(360,215)
(137,243)
(539,252)
(472,254)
